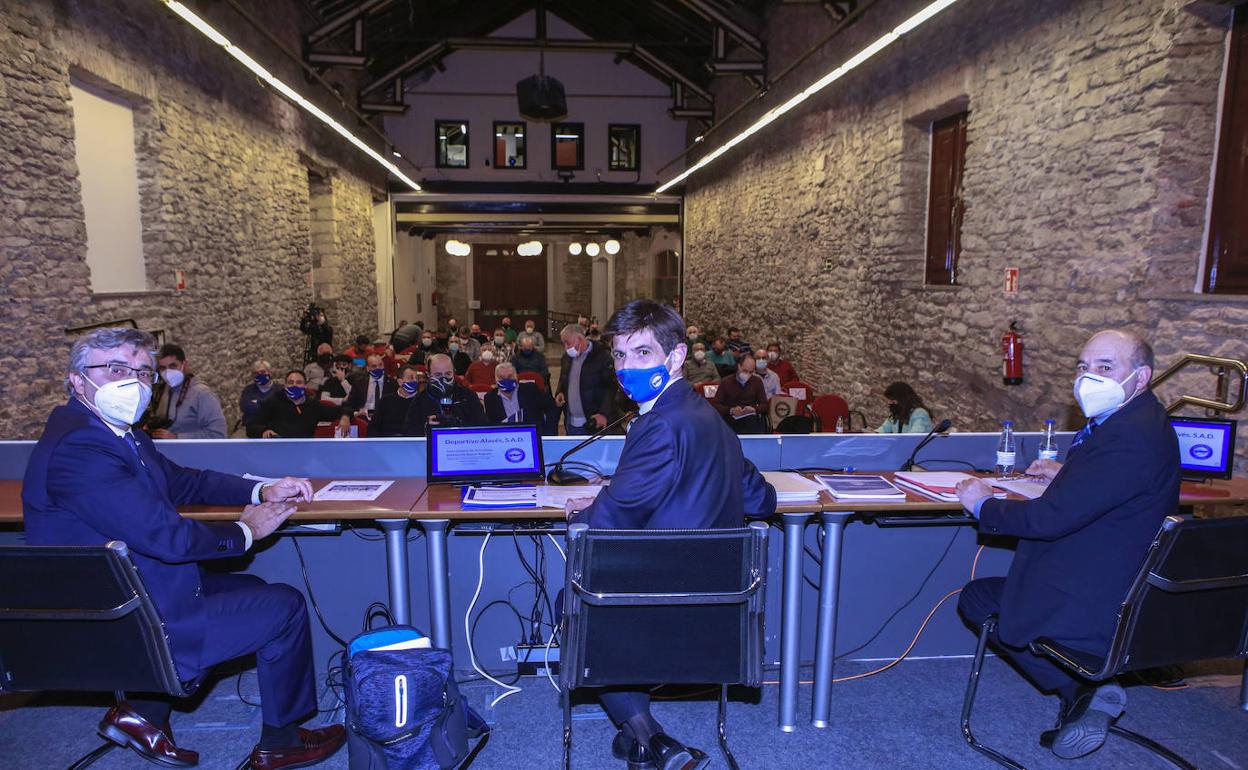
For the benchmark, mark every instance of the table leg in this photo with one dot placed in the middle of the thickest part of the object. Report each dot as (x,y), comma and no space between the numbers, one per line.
(825,630)
(1243,689)
(439,581)
(791,619)
(396,569)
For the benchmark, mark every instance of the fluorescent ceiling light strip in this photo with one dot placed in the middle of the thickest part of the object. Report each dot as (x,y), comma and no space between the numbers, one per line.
(212,34)
(907,26)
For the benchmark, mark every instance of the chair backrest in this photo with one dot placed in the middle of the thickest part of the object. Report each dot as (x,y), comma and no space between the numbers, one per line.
(827,409)
(1189,600)
(803,392)
(664,606)
(781,407)
(79,618)
(533,377)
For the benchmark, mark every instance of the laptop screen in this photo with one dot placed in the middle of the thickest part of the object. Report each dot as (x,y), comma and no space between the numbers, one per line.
(486,454)
(1206,446)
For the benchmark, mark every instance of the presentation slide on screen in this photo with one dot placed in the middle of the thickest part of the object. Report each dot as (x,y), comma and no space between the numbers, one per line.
(495,451)
(1202,446)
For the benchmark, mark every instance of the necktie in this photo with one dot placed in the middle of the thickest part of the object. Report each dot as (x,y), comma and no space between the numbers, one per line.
(1083,434)
(134,447)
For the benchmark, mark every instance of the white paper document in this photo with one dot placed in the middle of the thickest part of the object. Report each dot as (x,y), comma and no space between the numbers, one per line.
(793,487)
(1029,487)
(557,497)
(352,491)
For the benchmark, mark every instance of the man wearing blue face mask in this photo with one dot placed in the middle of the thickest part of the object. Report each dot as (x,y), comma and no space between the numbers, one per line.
(444,402)
(292,413)
(260,388)
(369,388)
(391,414)
(681,468)
(1082,541)
(513,401)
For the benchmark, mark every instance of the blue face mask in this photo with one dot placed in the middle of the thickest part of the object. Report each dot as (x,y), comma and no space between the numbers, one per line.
(642,385)
(410,387)
(507,386)
(294,392)
(376,374)
(262,379)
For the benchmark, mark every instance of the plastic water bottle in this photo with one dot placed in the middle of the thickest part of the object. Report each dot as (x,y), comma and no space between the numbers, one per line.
(840,424)
(1005,449)
(1048,444)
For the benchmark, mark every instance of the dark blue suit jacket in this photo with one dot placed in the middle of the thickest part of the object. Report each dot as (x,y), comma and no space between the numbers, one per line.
(681,468)
(1082,542)
(85,486)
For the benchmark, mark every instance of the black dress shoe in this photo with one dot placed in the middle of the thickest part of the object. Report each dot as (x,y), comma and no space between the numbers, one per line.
(670,754)
(314,746)
(125,727)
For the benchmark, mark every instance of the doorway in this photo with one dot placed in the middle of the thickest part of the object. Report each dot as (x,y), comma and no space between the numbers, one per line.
(507,284)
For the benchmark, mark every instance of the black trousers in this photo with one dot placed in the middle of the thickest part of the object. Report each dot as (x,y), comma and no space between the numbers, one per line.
(982,598)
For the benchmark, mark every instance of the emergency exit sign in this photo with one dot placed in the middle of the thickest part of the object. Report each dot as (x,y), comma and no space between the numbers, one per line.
(1011,280)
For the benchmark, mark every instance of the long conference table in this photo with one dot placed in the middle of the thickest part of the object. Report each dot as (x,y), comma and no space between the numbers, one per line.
(436,508)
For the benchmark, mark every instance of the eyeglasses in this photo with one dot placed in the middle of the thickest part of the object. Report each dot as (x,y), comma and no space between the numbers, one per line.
(120,371)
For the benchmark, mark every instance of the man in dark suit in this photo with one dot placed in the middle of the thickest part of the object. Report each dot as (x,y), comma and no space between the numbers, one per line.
(443,402)
(520,402)
(368,388)
(92,479)
(587,386)
(390,419)
(681,468)
(1081,543)
(291,414)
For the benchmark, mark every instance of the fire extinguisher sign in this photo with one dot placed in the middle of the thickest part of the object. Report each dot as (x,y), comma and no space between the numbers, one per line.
(1011,280)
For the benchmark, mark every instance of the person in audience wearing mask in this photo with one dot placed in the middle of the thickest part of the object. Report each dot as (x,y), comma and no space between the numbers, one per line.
(694,337)
(508,331)
(185,407)
(906,412)
(368,389)
(680,468)
(698,368)
(459,359)
(390,418)
(737,344)
(478,335)
(469,344)
(1081,543)
(771,382)
(725,362)
(452,329)
(529,359)
(444,402)
(260,388)
(360,351)
(780,365)
(503,349)
(426,347)
(291,414)
(480,373)
(335,386)
(407,335)
(318,369)
(587,386)
(530,330)
(520,402)
(741,400)
(92,478)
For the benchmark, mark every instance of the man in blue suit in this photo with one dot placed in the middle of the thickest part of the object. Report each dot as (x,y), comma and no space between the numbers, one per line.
(92,479)
(681,468)
(1081,543)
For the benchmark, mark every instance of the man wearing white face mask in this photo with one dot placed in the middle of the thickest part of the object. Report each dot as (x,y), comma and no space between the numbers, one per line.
(185,406)
(1082,541)
(91,479)
(698,368)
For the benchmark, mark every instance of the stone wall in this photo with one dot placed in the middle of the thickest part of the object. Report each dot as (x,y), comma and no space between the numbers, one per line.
(223,178)
(1090,141)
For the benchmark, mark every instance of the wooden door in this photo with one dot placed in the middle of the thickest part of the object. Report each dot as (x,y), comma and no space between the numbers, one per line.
(508,284)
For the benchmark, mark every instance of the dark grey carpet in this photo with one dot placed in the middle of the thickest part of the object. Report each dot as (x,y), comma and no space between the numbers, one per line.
(904,718)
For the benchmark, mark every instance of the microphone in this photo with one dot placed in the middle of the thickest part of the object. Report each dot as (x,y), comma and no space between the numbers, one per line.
(931,434)
(560,477)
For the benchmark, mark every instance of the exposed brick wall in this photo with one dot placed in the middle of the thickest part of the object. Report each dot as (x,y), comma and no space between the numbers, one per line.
(1090,141)
(224,196)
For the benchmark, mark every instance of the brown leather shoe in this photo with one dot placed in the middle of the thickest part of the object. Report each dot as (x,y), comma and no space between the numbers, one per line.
(314,746)
(123,726)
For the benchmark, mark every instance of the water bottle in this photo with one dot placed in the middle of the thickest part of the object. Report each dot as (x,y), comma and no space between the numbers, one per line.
(1048,444)
(840,424)
(1005,450)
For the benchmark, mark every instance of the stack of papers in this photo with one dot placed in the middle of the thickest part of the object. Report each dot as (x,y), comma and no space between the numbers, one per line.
(938,485)
(518,496)
(557,497)
(793,487)
(1029,487)
(860,487)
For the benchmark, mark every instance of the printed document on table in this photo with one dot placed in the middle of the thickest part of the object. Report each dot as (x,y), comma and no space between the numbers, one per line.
(352,491)
(1029,487)
(557,497)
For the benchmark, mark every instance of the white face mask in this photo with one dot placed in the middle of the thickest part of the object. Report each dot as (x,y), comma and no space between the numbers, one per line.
(173,376)
(487,355)
(1098,395)
(744,377)
(573,352)
(699,355)
(121,402)
(772,355)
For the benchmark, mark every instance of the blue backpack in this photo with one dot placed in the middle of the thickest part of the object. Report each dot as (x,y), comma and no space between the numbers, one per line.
(404,710)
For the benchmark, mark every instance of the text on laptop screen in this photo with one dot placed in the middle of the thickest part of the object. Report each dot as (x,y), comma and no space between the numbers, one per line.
(502,452)
(1205,446)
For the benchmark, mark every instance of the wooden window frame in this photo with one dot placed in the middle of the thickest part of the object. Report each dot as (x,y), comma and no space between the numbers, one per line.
(1225,269)
(437,142)
(636,128)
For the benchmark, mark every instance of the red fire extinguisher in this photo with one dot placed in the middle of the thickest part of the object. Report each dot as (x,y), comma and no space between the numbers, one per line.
(1012,356)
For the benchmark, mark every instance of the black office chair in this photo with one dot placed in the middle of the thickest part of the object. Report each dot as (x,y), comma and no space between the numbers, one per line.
(78,618)
(1188,602)
(669,606)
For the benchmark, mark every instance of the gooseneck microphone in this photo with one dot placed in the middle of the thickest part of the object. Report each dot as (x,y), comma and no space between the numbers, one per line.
(931,434)
(560,477)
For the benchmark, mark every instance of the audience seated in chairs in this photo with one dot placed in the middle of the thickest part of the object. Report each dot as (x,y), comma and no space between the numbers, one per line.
(182,406)
(260,388)
(390,416)
(517,401)
(469,344)
(480,373)
(498,344)
(530,330)
(459,359)
(368,389)
(698,368)
(528,359)
(741,399)
(291,414)
(771,381)
(475,332)
(509,332)
(725,362)
(781,366)
(694,337)
(587,383)
(906,412)
(444,401)
(336,386)
(737,344)
(360,351)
